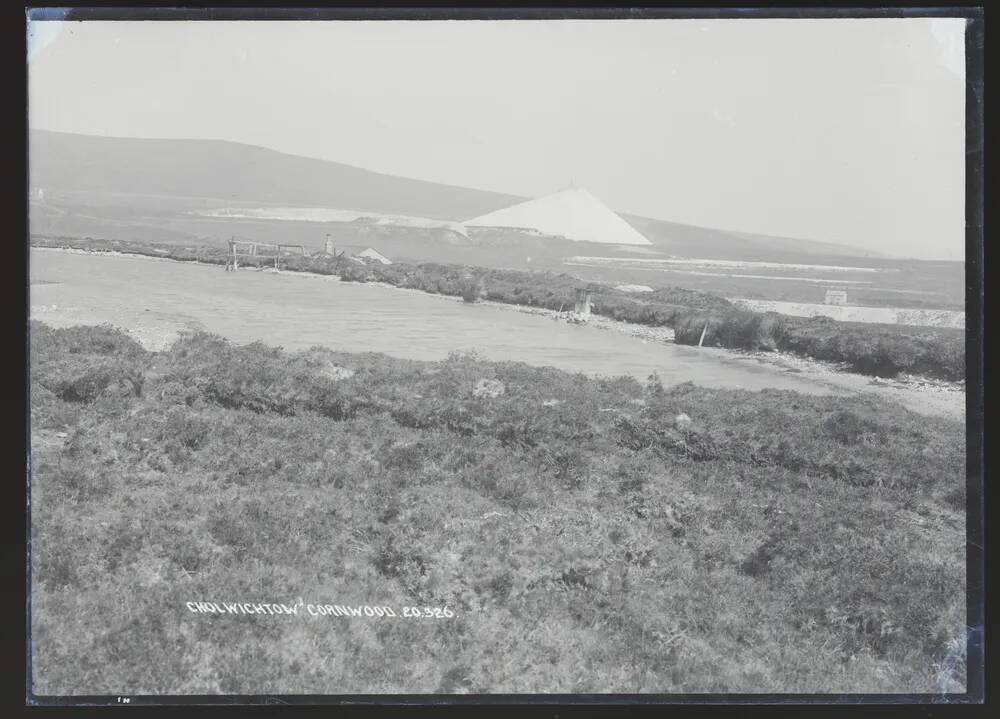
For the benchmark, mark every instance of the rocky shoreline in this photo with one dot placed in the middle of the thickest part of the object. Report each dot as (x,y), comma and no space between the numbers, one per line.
(643,332)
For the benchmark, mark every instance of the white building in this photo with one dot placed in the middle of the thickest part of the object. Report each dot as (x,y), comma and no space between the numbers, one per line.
(836,297)
(368,256)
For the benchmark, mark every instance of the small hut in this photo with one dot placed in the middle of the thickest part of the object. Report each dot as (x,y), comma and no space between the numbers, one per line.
(362,254)
(370,255)
(835,297)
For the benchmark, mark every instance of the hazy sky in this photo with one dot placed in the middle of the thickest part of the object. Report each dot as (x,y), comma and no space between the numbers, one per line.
(847,131)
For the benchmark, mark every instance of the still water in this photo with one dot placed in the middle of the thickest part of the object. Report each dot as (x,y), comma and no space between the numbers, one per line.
(155,298)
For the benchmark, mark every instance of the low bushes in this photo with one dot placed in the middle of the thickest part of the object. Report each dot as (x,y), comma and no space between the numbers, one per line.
(535,289)
(872,349)
(737,328)
(584,537)
(80,364)
(883,350)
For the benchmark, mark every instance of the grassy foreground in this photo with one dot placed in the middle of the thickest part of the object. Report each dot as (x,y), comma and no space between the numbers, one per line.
(867,348)
(584,539)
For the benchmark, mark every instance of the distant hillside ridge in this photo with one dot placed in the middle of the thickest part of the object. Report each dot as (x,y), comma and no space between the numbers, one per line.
(694,241)
(240,173)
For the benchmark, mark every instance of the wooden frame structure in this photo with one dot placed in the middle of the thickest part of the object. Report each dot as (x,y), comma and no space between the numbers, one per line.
(246,250)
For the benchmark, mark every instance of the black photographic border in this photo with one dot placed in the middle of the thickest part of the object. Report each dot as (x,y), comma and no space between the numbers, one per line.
(975,349)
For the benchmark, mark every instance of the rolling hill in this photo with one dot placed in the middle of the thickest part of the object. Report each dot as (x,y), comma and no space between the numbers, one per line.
(179,174)
(234,172)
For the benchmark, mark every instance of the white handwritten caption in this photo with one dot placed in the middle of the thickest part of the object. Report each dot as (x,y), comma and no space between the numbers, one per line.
(302,609)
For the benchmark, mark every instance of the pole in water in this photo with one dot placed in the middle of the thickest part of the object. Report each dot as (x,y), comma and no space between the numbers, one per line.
(703,334)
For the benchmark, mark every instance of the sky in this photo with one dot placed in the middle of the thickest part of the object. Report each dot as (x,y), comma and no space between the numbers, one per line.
(846,130)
